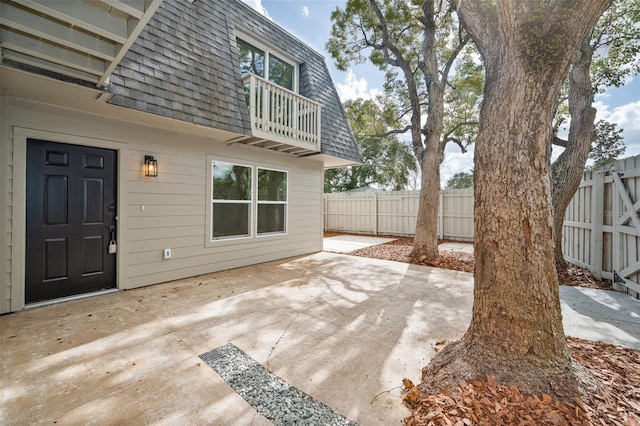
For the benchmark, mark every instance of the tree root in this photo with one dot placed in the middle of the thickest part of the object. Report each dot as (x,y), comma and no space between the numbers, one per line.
(461,361)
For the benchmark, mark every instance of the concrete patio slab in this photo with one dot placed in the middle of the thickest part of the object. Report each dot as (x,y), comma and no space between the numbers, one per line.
(343,329)
(347,243)
(607,316)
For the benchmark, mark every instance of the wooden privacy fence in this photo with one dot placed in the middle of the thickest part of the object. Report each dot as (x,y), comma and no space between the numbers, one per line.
(395,213)
(601,229)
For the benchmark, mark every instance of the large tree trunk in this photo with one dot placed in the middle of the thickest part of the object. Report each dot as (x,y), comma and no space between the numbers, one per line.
(516,331)
(425,242)
(568,167)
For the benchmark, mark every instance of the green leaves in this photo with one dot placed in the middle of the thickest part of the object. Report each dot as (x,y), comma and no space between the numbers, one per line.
(461,180)
(608,146)
(616,42)
(388,162)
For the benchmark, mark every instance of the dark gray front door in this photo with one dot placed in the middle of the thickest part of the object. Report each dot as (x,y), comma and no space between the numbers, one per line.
(71,217)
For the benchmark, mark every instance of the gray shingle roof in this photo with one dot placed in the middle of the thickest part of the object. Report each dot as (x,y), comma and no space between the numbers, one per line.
(185,66)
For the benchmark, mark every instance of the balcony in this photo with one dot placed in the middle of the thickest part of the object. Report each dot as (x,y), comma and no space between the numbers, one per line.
(281,120)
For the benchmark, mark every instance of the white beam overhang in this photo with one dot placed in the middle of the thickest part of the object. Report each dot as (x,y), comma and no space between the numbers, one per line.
(79,39)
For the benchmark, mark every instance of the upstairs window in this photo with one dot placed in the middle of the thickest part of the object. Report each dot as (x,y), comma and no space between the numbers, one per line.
(280,72)
(251,59)
(263,63)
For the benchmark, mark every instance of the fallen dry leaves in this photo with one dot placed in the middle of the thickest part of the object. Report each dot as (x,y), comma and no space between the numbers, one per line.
(399,249)
(487,402)
(572,275)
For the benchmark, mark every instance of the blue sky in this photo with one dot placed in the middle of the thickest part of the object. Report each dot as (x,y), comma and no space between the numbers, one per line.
(310,21)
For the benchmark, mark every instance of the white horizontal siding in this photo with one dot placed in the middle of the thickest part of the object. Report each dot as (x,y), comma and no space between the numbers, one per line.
(169,211)
(6,197)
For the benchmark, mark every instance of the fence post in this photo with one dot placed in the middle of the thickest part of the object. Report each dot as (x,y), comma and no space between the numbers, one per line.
(615,235)
(597,216)
(375,213)
(441,215)
(324,211)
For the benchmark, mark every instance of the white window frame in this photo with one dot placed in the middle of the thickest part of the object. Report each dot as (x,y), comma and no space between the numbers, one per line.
(210,241)
(250,202)
(285,203)
(268,51)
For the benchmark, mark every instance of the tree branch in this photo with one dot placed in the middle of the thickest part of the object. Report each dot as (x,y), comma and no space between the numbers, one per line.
(389,133)
(457,126)
(412,89)
(461,145)
(453,56)
(481,19)
(559,142)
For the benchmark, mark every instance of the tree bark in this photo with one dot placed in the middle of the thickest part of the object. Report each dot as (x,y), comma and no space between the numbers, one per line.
(516,332)
(425,242)
(568,168)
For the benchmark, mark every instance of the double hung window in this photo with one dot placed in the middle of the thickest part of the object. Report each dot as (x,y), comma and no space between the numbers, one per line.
(237,191)
(231,201)
(272,201)
(265,64)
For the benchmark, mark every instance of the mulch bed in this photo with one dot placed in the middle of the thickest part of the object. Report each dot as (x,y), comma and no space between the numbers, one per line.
(487,402)
(399,250)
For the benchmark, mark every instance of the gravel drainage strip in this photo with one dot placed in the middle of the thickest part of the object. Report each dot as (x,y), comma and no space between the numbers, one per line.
(271,396)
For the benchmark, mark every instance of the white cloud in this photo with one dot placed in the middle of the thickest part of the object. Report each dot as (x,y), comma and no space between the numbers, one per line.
(354,88)
(305,11)
(455,162)
(627,116)
(602,109)
(257,5)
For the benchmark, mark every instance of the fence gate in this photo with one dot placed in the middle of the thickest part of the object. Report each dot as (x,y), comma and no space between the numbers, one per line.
(602,228)
(626,228)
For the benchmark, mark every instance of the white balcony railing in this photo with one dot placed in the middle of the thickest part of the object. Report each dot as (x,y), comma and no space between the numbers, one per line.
(281,115)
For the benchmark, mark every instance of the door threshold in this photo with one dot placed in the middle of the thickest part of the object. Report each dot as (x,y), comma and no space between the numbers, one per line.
(70,298)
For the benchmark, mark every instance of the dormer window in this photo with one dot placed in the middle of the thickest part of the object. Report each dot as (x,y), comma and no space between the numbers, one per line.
(267,65)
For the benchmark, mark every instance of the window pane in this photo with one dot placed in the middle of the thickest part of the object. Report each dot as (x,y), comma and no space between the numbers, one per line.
(271,218)
(280,72)
(272,185)
(231,182)
(251,59)
(230,220)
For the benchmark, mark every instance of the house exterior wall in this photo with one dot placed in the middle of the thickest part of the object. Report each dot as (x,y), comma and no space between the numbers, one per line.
(174,214)
(185,65)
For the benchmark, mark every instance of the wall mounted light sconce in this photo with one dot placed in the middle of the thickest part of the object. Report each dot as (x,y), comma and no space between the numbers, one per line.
(150,166)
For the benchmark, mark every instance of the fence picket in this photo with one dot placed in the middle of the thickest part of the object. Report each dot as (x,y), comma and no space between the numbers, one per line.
(395,213)
(601,230)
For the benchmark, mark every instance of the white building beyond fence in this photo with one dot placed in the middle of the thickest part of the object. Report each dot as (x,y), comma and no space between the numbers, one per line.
(395,213)
(601,229)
